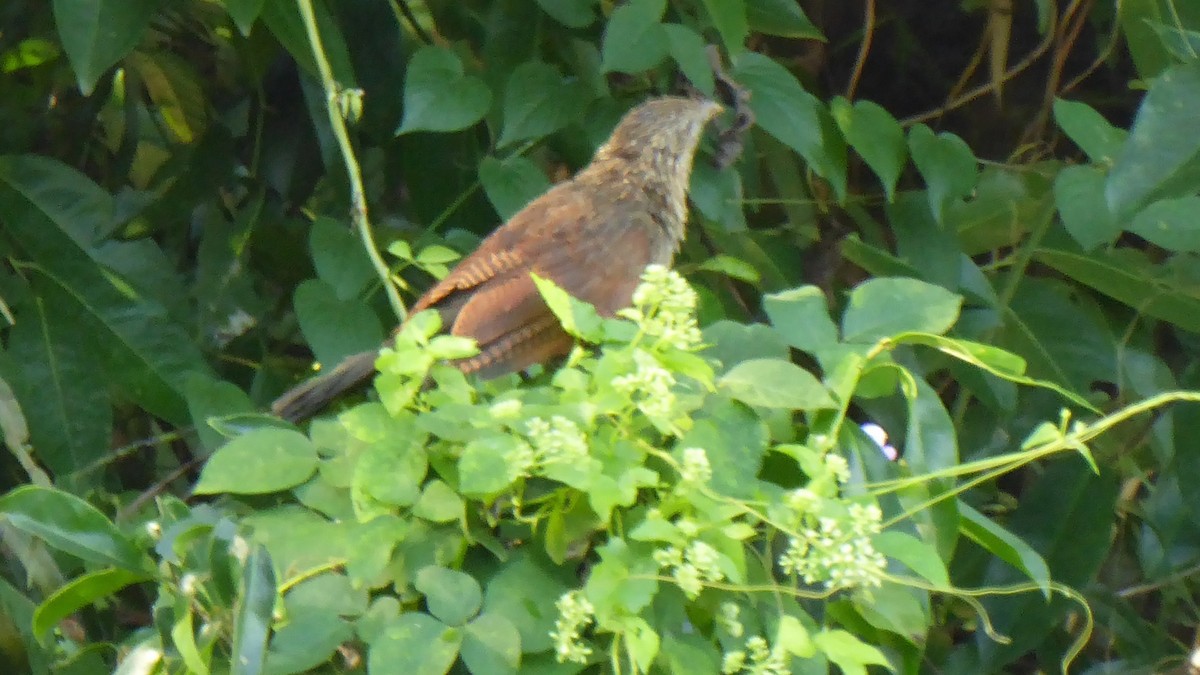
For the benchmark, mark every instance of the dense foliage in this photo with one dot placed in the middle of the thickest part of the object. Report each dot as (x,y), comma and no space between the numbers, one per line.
(974,226)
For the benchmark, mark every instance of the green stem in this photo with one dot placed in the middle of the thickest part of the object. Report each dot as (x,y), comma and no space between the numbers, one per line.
(358,199)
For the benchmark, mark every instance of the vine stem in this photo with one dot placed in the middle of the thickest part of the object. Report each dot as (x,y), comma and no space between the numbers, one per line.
(358,199)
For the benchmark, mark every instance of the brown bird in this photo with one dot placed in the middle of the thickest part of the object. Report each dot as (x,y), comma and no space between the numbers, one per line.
(593,235)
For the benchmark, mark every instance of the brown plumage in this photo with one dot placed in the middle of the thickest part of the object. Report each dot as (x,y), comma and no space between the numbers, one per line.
(593,235)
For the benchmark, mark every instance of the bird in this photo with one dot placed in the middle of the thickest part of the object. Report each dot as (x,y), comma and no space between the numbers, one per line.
(593,235)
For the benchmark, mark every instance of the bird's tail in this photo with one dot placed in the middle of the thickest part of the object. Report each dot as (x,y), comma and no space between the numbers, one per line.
(305,399)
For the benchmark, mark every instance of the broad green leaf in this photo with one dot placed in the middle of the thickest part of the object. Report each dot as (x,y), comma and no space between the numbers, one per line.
(1004,545)
(439,503)
(451,596)
(306,641)
(792,115)
(916,555)
(735,439)
(538,101)
(56,214)
(209,398)
(570,13)
(850,654)
(28,53)
(491,644)
(260,461)
(1171,224)
(783,18)
(729,17)
(511,183)
(252,624)
(876,136)
(1136,285)
(634,40)
(801,316)
(688,49)
(335,328)
(577,318)
(1079,196)
(1183,44)
(947,164)
(733,342)
(1162,142)
(533,614)
(339,257)
(71,525)
(876,260)
(389,473)
(484,465)
(928,245)
(793,637)
(414,644)
(64,396)
(439,95)
(1089,130)
(773,383)
(244,13)
(98,33)
(883,307)
(717,194)
(81,592)
(622,583)
(732,267)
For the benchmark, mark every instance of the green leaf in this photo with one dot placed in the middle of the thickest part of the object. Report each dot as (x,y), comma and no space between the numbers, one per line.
(64,396)
(333,327)
(538,101)
(734,268)
(947,164)
(1171,224)
(850,654)
(918,556)
(876,136)
(570,13)
(1089,130)
(1163,140)
(801,316)
(210,398)
(784,18)
(339,258)
(258,462)
(733,342)
(306,641)
(252,624)
(389,472)
(71,525)
(56,214)
(452,596)
(881,308)
(439,503)
(1079,196)
(98,33)
(244,13)
(729,17)
(533,614)
(483,467)
(439,96)
(792,115)
(491,644)
(414,644)
(578,318)
(688,49)
(1004,545)
(183,638)
(634,41)
(772,383)
(1134,283)
(511,183)
(793,637)
(81,592)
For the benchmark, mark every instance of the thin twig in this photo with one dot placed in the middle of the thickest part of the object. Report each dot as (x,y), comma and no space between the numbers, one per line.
(358,199)
(864,48)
